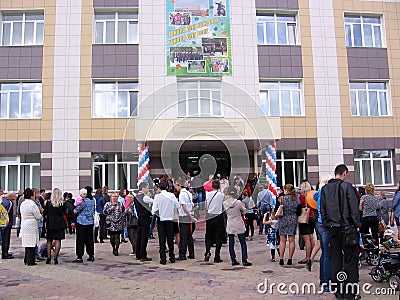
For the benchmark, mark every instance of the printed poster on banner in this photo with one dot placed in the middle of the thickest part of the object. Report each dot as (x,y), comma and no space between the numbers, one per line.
(198,38)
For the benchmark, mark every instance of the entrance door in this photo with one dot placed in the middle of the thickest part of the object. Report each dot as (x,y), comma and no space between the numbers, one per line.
(191,161)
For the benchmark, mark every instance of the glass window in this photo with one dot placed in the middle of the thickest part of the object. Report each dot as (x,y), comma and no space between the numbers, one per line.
(281,98)
(290,167)
(22,29)
(199,98)
(19,172)
(115,172)
(20,100)
(373,167)
(363,31)
(116,28)
(369,99)
(276,29)
(115,100)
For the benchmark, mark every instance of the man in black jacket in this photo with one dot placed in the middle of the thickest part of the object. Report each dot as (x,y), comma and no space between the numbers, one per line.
(339,210)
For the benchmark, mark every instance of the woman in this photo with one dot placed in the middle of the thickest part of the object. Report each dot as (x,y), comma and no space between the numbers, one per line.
(115,215)
(100,202)
(234,210)
(396,210)
(131,223)
(369,206)
(250,215)
(307,230)
(30,216)
(288,222)
(54,211)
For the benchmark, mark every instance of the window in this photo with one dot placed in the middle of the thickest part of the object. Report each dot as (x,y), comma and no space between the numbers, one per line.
(290,167)
(369,99)
(116,28)
(199,98)
(281,99)
(19,172)
(117,171)
(22,29)
(115,99)
(276,29)
(362,31)
(20,100)
(374,167)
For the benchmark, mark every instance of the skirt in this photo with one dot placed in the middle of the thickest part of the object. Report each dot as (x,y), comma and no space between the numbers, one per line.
(57,234)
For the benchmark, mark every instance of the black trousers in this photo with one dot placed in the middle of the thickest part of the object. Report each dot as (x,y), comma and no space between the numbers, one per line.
(166,234)
(185,232)
(215,233)
(5,243)
(373,224)
(343,259)
(250,224)
(132,235)
(84,237)
(101,228)
(30,254)
(142,236)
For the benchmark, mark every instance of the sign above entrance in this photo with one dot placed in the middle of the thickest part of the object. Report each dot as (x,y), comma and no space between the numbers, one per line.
(198,38)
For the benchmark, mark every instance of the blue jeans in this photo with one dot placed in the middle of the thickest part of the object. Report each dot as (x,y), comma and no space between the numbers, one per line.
(264,209)
(325,260)
(242,240)
(200,200)
(152,225)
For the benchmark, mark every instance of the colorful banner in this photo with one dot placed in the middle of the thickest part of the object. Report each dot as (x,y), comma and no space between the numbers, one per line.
(198,38)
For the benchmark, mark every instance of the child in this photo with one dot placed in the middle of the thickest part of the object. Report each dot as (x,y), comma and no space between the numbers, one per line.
(272,237)
(390,240)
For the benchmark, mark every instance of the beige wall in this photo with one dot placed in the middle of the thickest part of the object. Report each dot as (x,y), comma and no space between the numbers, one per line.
(35,130)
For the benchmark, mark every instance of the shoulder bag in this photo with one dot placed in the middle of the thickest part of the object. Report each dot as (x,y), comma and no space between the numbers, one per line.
(279,212)
(303,218)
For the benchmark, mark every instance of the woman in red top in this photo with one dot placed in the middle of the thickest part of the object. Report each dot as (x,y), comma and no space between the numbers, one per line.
(307,230)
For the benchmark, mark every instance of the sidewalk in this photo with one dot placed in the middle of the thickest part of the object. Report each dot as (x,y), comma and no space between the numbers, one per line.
(123,277)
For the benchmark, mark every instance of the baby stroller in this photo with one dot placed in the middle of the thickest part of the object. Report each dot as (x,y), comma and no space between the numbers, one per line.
(388,268)
(369,252)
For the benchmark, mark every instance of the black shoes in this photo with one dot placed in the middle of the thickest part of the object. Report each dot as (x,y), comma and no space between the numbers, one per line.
(48,260)
(163,262)
(78,260)
(96,241)
(289,262)
(146,259)
(181,258)
(235,263)
(7,256)
(55,260)
(247,264)
(191,257)
(207,257)
(308,265)
(281,263)
(218,260)
(91,258)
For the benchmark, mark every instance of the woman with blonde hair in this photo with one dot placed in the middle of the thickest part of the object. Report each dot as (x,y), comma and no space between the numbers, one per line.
(307,229)
(54,210)
(369,207)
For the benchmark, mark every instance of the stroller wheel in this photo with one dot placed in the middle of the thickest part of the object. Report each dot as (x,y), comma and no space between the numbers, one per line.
(377,274)
(394,282)
(359,264)
(373,259)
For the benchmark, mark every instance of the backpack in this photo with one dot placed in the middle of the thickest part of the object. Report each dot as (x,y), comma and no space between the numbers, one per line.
(3,217)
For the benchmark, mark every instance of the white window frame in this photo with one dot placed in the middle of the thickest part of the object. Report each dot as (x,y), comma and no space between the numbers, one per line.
(386,91)
(284,160)
(16,161)
(115,163)
(20,91)
(23,21)
(115,91)
(199,115)
(276,21)
(372,160)
(116,20)
(362,23)
(280,90)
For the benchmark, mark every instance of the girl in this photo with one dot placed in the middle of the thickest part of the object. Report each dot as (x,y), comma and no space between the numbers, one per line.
(272,237)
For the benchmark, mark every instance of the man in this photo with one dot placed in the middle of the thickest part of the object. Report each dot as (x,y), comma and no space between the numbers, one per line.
(142,206)
(165,204)
(186,220)
(265,203)
(215,227)
(105,194)
(339,210)
(6,232)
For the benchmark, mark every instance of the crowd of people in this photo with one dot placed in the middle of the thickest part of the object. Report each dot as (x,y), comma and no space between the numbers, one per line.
(336,211)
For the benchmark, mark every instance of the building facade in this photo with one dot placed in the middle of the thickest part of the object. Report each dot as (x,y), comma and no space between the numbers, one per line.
(84,84)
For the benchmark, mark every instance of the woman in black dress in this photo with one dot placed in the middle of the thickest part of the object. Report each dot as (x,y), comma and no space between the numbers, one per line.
(55,223)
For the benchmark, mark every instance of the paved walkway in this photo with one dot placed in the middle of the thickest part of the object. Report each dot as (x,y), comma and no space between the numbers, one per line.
(123,277)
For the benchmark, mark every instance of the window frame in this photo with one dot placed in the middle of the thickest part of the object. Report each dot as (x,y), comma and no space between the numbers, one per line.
(115,163)
(280,89)
(199,89)
(17,162)
(367,91)
(23,21)
(362,23)
(116,91)
(275,14)
(20,94)
(372,159)
(116,21)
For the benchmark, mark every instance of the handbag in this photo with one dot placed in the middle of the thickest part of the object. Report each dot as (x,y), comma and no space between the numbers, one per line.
(96,219)
(279,212)
(305,215)
(382,226)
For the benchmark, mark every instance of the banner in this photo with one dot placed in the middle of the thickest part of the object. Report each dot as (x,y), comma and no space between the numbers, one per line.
(198,38)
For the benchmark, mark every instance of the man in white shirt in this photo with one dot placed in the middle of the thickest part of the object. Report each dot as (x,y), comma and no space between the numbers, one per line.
(215,228)
(164,204)
(186,220)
